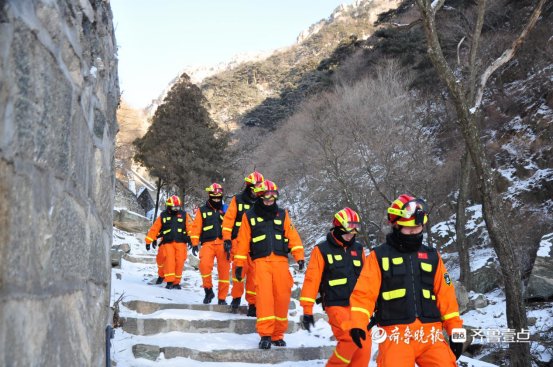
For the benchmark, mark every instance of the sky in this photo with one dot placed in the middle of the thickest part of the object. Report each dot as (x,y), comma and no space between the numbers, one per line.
(157,39)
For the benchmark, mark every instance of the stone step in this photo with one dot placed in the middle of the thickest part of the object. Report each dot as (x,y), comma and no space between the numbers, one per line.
(145,307)
(269,356)
(146,259)
(141,326)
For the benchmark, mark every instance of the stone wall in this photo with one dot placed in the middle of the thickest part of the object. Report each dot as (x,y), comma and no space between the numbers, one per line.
(58,96)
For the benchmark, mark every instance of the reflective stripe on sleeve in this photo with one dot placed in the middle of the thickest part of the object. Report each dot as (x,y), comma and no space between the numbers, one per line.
(450,316)
(360,309)
(307,299)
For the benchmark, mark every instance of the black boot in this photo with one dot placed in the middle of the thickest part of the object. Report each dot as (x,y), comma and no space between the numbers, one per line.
(222,302)
(265,342)
(159,280)
(176,286)
(209,295)
(252,311)
(279,343)
(169,285)
(235,304)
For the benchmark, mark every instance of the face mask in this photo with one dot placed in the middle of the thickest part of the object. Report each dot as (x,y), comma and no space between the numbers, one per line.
(408,242)
(339,232)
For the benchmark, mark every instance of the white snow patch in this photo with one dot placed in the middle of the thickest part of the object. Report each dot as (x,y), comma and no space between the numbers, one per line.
(545,245)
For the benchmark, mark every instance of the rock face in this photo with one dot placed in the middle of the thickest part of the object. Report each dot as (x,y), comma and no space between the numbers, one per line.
(540,284)
(58,96)
(130,221)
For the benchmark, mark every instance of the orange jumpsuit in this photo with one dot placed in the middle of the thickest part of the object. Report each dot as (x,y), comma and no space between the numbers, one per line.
(170,256)
(346,352)
(273,281)
(248,269)
(406,344)
(210,250)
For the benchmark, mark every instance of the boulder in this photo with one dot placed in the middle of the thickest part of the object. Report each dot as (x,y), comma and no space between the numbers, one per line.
(462,296)
(487,278)
(540,284)
(124,247)
(115,258)
(477,301)
(193,261)
(130,221)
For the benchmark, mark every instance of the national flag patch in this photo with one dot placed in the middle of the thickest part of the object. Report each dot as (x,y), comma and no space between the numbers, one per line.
(179,215)
(354,253)
(423,255)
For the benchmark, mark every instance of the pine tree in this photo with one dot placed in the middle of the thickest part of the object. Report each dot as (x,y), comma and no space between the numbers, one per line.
(183,146)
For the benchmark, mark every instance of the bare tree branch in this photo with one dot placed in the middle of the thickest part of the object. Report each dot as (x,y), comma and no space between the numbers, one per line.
(474,48)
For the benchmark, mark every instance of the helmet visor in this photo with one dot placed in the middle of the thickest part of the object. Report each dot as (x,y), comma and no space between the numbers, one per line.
(352,227)
(417,209)
(272,194)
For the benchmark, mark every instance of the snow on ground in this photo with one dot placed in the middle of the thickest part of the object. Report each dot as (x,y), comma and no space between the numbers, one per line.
(132,281)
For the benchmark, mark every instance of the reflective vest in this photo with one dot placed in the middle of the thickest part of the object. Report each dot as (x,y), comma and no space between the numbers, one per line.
(173,226)
(212,221)
(267,235)
(342,268)
(242,205)
(407,289)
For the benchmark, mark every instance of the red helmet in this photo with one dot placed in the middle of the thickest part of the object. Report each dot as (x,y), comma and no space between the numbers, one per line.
(347,219)
(254,178)
(408,212)
(173,200)
(266,189)
(215,190)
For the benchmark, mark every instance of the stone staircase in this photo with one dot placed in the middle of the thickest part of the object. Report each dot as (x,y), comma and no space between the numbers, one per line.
(162,331)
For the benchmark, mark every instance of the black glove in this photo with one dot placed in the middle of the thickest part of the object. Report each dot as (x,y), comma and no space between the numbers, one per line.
(228,247)
(195,250)
(147,247)
(238,273)
(456,348)
(301,264)
(154,244)
(307,321)
(356,335)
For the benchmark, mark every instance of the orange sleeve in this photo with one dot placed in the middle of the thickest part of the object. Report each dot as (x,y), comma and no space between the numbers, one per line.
(366,291)
(312,280)
(229,219)
(243,239)
(196,228)
(446,299)
(294,241)
(151,236)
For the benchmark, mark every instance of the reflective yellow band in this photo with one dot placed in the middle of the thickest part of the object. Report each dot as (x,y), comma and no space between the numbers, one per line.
(450,316)
(396,293)
(166,231)
(239,207)
(278,222)
(426,293)
(266,318)
(340,281)
(160,266)
(385,264)
(227,229)
(433,298)
(178,276)
(194,236)
(259,219)
(426,267)
(360,309)
(236,280)
(207,228)
(330,259)
(179,230)
(258,238)
(206,275)
(169,274)
(252,221)
(203,215)
(180,220)
(282,318)
(278,236)
(307,299)
(240,257)
(296,248)
(251,292)
(247,206)
(338,257)
(238,224)
(346,361)
(397,260)
(357,262)
(224,281)
(151,239)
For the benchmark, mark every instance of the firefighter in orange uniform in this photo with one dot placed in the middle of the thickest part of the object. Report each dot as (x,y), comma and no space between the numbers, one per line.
(408,285)
(231,224)
(267,234)
(206,229)
(172,225)
(333,269)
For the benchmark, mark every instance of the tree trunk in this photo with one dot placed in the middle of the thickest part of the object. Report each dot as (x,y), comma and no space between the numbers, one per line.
(461,221)
(501,241)
(157,199)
